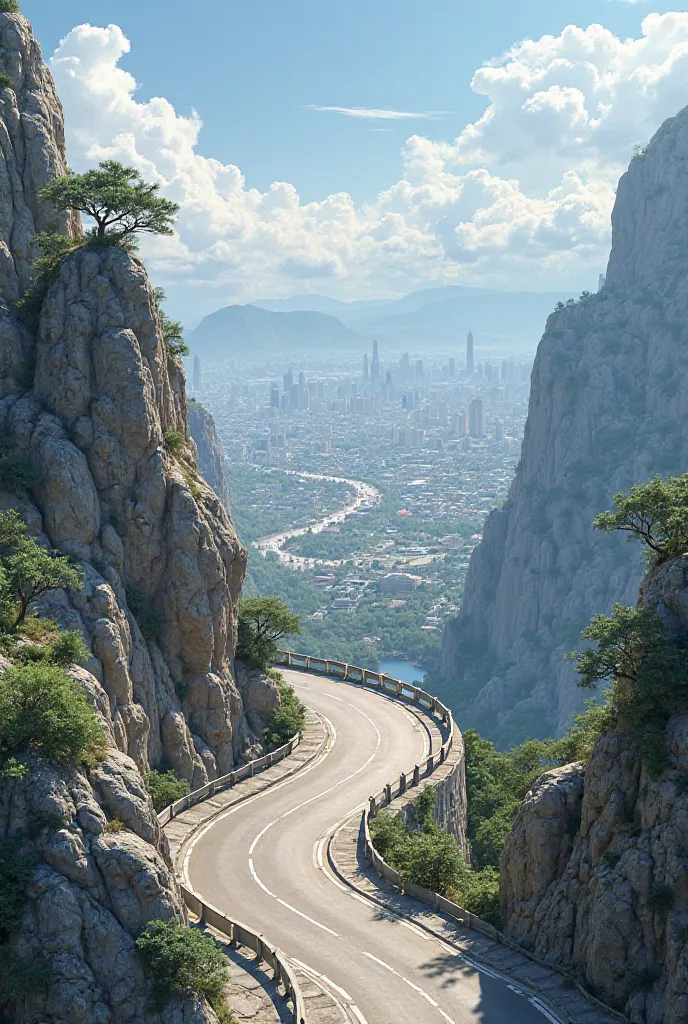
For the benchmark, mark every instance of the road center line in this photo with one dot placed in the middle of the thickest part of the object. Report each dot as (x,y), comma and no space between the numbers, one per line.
(410,984)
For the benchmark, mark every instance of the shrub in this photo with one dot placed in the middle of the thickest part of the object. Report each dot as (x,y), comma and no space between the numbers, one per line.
(150,622)
(45,712)
(287,720)
(16,475)
(53,249)
(172,330)
(9,6)
(67,649)
(182,959)
(29,570)
(263,621)
(174,441)
(6,82)
(661,896)
(115,825)
(165,788)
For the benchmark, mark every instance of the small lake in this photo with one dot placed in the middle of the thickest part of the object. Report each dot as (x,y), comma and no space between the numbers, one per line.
(397,668)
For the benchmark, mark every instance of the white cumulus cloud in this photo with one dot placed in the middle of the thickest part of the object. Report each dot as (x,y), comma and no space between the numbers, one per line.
(521,198)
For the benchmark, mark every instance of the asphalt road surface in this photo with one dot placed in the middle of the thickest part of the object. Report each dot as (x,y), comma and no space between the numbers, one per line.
(262,863)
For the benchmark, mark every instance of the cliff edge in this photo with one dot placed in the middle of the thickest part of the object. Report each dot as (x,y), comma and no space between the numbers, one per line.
(608,408)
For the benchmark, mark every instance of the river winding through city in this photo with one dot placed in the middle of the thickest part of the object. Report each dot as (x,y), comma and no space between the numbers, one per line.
(365,496)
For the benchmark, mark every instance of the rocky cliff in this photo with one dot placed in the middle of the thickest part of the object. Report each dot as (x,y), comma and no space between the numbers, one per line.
(608,409)
(92,402)
(593,874)
(210,456)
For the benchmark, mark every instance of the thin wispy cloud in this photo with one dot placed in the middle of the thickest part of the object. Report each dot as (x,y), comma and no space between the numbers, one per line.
(379,114)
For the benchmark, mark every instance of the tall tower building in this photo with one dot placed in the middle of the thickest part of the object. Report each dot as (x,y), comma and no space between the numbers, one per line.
(366,374)
(470,361)
(197,374)
(375,370)
(476,418)
(288,380)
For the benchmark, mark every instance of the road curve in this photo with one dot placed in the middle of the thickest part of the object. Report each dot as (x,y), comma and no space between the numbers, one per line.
(261,862)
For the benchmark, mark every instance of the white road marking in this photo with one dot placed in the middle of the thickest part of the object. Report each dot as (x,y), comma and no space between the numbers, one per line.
(408,982)
(544,1010)
(327,983)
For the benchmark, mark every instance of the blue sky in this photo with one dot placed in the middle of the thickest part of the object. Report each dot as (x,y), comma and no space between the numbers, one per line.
(251,69)
(524,116)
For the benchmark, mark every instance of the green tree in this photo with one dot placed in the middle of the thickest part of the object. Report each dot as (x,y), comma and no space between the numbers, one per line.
(116,197)
(172,330)
(9,6)
(263,621)
(45,712)
(30,570)
(655,513)
(287,720)
(182,959)
(165,788)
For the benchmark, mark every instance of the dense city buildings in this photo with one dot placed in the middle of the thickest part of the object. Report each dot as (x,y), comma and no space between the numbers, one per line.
(438,445)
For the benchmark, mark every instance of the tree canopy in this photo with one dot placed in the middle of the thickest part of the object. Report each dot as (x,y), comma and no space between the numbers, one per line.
(263,621)
(655,513)
(28,570)
(182,959)
(172,330)
(45,712)
(116,197)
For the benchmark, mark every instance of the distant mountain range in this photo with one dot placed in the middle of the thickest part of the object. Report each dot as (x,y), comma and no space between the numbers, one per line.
(247,332)
(433,317)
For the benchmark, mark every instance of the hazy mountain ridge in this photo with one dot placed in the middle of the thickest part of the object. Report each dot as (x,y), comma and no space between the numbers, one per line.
(248,332)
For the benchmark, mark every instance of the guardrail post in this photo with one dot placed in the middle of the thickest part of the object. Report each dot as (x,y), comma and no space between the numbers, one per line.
(388,792)
(372,811)
(402,784)
(416,775)
(259,950)
(416,695)
(433,706)
(442,754)
(400,687)
(250,764)
(431,764)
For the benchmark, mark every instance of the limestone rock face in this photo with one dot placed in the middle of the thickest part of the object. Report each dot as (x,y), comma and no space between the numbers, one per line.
(93,891)
(608,409)
(594,871)
(133,508)
(32,153)
(211,459)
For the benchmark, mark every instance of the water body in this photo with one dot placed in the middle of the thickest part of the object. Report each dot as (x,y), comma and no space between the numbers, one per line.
(397,668)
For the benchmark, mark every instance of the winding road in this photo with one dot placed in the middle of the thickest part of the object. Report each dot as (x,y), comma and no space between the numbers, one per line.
(365,494)
(263,862)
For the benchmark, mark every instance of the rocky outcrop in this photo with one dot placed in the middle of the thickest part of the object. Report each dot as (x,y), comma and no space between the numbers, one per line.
(593,874)
(608,409)
(32,153)
(94,404)
(210,456)
(102,872)
(132,507)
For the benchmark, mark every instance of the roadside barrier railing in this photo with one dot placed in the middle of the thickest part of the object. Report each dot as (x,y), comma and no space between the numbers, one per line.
(239,935)
(236,932)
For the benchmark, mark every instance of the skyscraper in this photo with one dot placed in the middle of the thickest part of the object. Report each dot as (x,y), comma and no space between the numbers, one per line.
(470,363)
(197,374)
(476,418)
(375,371)
(365,367)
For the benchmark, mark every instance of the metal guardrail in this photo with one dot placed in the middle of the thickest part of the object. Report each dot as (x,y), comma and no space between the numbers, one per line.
(235,931)
(241,935)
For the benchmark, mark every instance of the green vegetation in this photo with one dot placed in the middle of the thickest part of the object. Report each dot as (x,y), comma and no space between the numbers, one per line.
(263,622)
(68,648)
(655,513)
(174,441)
(165,788)
(287,720)
(45,712)
(28,570)
(150,622)
(16,873)
(117,198)
(16,475)
(430,857)
(6,82)
(183,959)
(172,330)
(9,7)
